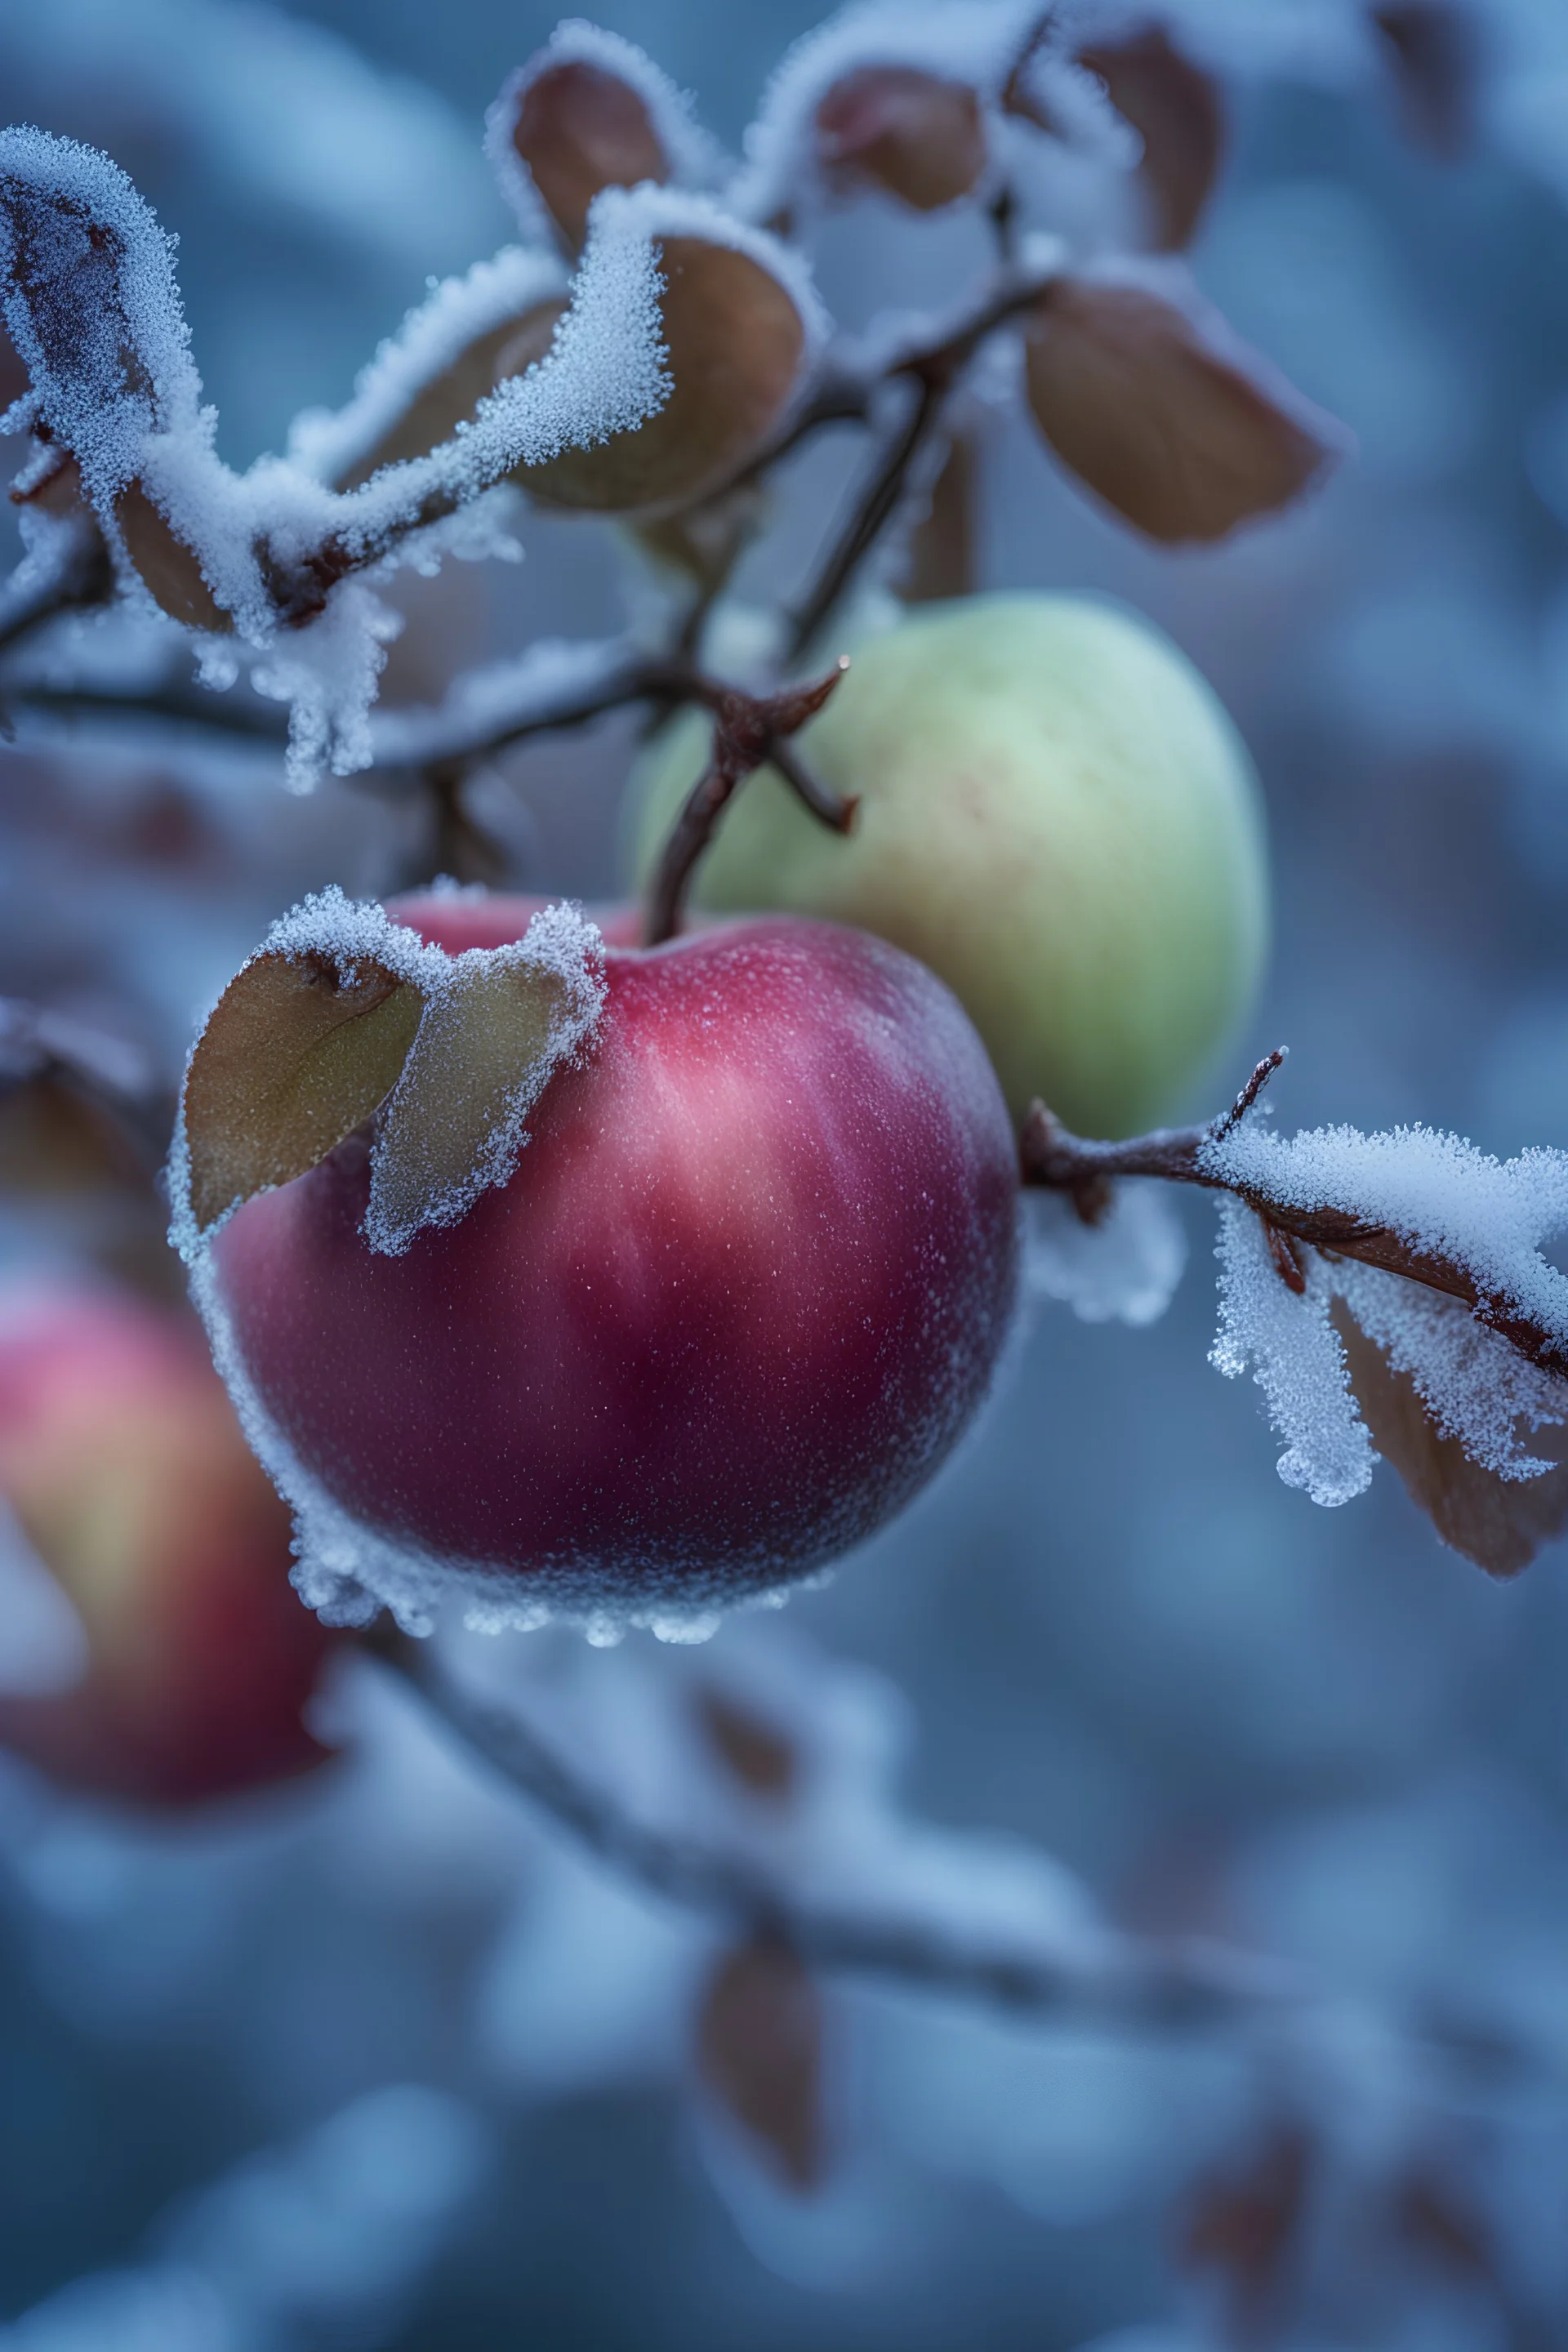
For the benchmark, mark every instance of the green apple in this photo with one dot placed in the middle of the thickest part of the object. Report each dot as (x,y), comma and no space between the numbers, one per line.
(1055,814)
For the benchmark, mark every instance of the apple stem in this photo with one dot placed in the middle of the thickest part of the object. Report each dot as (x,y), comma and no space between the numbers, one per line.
(1105,1976)
(750,730)
(1059,1161)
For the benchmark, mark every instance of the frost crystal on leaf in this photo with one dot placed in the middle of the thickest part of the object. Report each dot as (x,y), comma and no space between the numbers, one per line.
(1296,1358)
(502,1022)
(326,443)
(1435,1191)
(1124,1269)
(1438,1194)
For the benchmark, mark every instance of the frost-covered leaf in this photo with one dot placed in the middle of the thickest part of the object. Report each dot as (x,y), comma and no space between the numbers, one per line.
(759,2048)
(170,571)
(739,323)
(342,1010)
(915,136)
(1433,1192)
(1124,1269)
(504,1022)
(300,1050)
(1163,414)
(890,76)
(590,110)
(433,373)
(1178,112)
(1498,1522)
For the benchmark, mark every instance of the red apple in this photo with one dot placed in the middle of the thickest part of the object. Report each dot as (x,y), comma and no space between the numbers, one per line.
(124,1465)
(744,1291)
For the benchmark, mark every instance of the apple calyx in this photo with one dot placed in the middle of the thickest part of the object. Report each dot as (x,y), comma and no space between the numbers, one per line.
(342,1013)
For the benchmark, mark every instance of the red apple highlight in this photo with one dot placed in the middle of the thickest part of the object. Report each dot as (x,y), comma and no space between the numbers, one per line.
(745,1288)
(122,1459)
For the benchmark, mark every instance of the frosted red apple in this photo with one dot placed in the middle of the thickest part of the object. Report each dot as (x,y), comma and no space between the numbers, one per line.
(122,1459)
(744,1291)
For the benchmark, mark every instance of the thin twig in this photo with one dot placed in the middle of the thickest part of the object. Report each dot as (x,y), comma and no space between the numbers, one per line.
(935,367)
(1051,1157)
(1135,1982)
(747,731)
(873,510)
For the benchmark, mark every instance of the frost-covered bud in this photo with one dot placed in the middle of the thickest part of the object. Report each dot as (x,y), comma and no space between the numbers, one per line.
(1054,814)
(580,129)
(739,323)
(190,1660)
(1164,413)
(913,135)
(657,1280)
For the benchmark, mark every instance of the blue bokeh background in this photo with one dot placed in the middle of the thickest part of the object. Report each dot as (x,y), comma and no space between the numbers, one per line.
(1118,1635)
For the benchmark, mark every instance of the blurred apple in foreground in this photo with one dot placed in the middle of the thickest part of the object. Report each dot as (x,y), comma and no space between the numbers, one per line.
(742,1294)
(123,1464)
(1055,814)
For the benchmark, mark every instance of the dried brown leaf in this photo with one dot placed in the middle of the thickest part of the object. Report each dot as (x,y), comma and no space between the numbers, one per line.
(1434,50)
(942,561)
(908,134)
(735,341)
(293,1059)
(580,129)
(168,567)
(1498,1523)
(437,409)
(1183,438)
(1178,111)
(761,1756)
(1244,2227)
(759,2050)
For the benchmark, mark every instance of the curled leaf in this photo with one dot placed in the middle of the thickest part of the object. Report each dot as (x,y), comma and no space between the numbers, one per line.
(580,128)
(759,2050)
(297,1054)
(489,1042)
(1177,111)
(913,135)
(1183,432)
(168,568)
(736,339)
(1498,1523)
(434,414)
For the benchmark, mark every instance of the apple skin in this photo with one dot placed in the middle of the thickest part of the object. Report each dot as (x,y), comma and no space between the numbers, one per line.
(1055,814)
(122,1458)
(746,1287)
